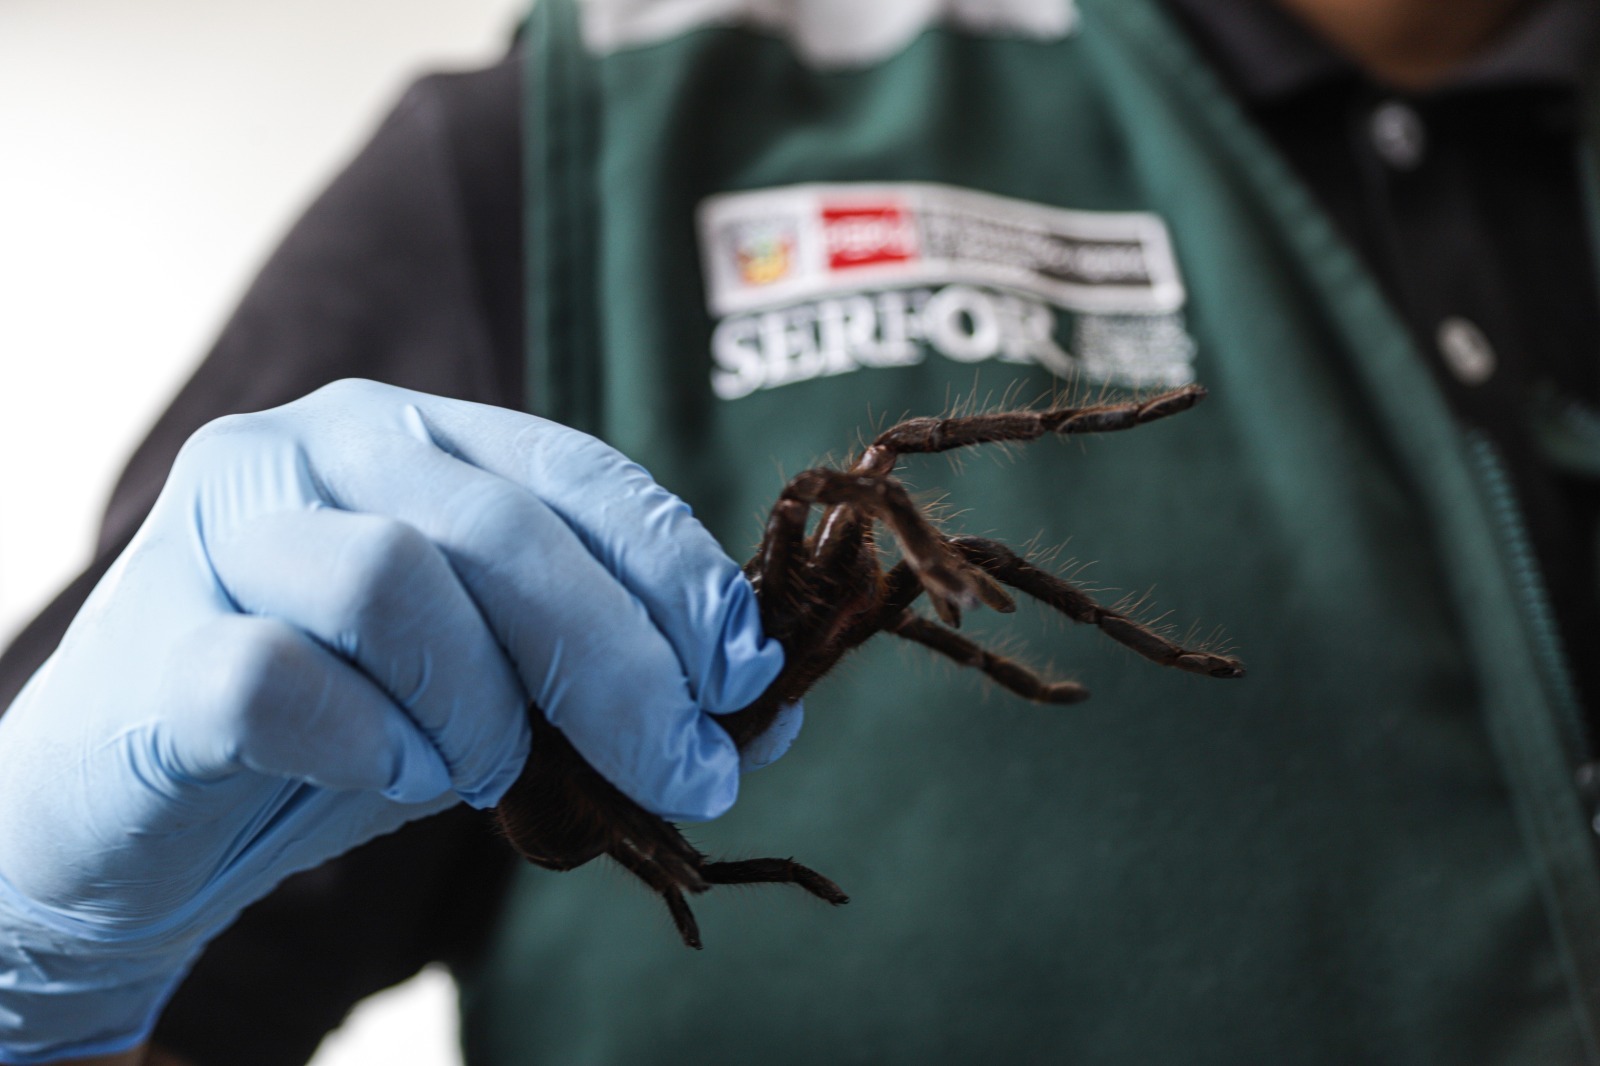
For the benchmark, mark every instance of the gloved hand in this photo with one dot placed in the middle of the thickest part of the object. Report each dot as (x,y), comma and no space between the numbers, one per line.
(331,624)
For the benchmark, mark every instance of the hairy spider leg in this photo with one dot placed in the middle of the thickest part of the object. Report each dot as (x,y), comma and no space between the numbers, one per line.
(814,593)
(775,570)
(774,872)
(785,533)
(1007,566)
(823,597)
(928,435)
(741,872)
(811,590)
(646,870)
(1008,673)
(901,590)
(647,846)
(806,602)
(659,842)
(950,583)
(561,813)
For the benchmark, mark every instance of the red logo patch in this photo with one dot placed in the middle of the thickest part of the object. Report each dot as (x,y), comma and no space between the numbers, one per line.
(868,235)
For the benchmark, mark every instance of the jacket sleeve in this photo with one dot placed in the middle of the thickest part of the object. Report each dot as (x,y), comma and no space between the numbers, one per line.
(386,276)
(407,270)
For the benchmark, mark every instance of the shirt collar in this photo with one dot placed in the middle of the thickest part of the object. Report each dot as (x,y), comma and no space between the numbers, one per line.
(1268,54)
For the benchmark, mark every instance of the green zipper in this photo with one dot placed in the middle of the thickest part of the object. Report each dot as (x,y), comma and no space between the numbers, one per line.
(1534,597)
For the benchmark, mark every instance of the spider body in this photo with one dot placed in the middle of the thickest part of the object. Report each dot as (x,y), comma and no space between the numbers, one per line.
(822,593)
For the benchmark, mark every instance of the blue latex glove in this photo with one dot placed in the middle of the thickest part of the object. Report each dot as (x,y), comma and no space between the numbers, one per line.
(330,625)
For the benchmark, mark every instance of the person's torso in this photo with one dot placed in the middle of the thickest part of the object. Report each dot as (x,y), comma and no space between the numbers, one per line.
(752,248)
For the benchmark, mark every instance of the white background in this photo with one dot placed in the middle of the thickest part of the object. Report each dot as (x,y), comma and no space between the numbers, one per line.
(150,155)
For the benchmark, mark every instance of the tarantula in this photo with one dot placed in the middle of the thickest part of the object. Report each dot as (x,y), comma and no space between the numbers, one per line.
(822,594)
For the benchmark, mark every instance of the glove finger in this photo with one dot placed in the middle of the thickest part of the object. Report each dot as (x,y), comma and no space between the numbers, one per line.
(644,535)
(259,694)
(377,593)
(586,649)
(697,596)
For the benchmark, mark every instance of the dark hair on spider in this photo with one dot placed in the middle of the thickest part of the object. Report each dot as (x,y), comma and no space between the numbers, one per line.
(823,592)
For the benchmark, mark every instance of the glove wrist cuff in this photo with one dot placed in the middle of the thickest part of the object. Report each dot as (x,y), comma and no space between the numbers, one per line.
(63,996)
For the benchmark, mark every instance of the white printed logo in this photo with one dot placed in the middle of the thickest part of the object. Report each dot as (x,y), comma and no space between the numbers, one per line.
(814,280)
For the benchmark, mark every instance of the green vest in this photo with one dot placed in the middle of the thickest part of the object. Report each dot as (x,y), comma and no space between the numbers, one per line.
(755,237)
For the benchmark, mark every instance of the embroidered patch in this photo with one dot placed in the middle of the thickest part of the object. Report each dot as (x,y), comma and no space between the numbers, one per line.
(812,280)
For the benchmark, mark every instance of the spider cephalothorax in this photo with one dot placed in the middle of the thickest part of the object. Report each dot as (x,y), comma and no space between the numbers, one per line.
(823,593)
